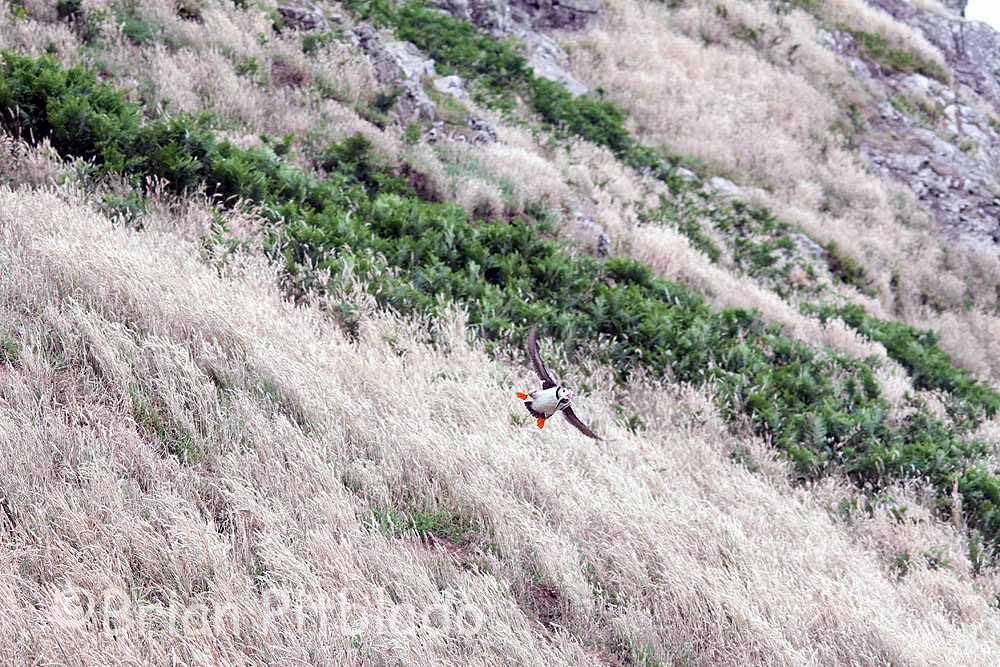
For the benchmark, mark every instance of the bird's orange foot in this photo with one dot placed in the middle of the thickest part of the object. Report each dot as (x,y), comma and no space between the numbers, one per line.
(522,395)
(541,422)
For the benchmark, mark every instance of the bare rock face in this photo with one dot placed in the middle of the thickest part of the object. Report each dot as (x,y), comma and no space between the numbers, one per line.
(307,16)
(972,48)
(502,17)
(400,65)
(493,16)
(557,14)
(550,61)
(526,20)
(941,140)
(451,85)
(589,229)
(957,6)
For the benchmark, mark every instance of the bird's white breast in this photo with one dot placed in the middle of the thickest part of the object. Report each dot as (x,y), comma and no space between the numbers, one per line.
(545,401)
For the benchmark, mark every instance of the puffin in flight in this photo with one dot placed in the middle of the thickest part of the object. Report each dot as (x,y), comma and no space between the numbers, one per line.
(552,397)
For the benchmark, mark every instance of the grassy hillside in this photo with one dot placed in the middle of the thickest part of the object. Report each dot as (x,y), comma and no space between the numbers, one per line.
(257,354)
(328,467)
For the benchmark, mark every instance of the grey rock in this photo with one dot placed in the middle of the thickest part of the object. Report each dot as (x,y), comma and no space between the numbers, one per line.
(602,242)
(502,17)
(403,66)
(912,164)
(603,245)
(483,132)
(949,160)
(306,16)
(551,62)
(410,61)
(809,248)
(556,14)
(490,15)
(724,187)
(435,132)
(525,20)
(451,85)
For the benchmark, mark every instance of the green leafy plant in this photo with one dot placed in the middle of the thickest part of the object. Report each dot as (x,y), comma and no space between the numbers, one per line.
(918,351)
(440,524)
(8,348)
(314,42)
(876,48)
(135,27)
(128,209)
(176,441)
(845,268)
(412,133)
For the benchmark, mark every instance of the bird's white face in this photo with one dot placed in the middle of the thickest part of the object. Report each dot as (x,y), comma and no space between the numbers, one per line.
(564,396)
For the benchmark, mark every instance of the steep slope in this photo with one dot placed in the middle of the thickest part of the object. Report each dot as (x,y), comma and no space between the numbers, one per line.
(189,442)
(796,473)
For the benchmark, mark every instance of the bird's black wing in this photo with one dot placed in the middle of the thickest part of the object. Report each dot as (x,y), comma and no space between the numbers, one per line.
(536,360)
(575,421)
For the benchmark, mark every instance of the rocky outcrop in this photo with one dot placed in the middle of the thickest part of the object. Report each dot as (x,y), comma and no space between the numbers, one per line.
(972,48)
(941,140)
(550,61)
(400,66)
(452,85)
(525,20)
(557,14)
(949,161)
(501,18)
(593,232)
(307,16)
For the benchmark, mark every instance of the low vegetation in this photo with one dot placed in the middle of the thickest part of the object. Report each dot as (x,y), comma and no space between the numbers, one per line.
(241,555)
(876,48)
(823,410)
(503,78)
(928,365)
(756,243)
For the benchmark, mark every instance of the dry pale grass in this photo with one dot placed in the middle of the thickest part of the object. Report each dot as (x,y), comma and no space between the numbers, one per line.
(502,178)
(518,171)
(656,544)
(692,86)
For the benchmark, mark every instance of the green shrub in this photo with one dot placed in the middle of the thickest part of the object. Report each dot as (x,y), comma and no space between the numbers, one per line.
(175,441)
(918,352)
(412,134)
(758,244)
(314,42)
(68,9)
(440,524)
(82,117)
(458,47)
(876,48)
(135,27)
(8,349)
(128,209)
(846,269)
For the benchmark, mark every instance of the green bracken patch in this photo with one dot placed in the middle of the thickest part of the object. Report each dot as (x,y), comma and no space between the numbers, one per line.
(876,48)
(176,441)
(8,348)
(314,42)
(928,365)
(756,243)
(846,269)
(502,76)
(423,523)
